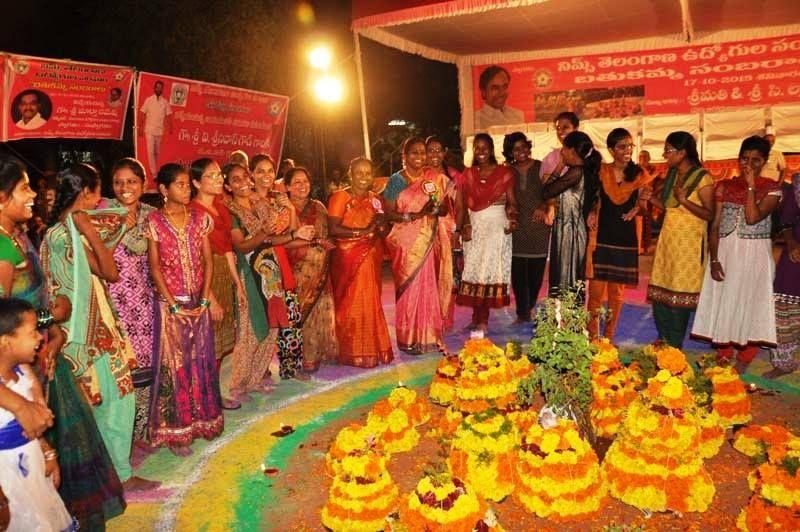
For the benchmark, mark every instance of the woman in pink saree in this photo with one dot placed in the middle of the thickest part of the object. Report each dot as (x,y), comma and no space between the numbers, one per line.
(419,246)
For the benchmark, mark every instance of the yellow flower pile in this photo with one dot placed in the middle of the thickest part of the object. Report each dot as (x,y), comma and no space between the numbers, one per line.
(558,474)
(362,493)
(443,386)
(613,389)
(521,366)
(352,438)
(775,504)
(655,462)
(712,433)
(487,378)
(449,422)
(393,426)
(729,397)
(483,454)
(523,419)
(407,400)
(445,504)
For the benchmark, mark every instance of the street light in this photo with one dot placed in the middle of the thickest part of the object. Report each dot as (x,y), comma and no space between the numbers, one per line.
(329,89)
(320,58)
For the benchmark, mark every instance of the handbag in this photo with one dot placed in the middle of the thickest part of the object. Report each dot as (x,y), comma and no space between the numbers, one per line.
(142,377)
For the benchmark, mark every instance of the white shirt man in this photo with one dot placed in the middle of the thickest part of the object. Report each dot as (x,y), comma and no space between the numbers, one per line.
(155,110)
(34,123)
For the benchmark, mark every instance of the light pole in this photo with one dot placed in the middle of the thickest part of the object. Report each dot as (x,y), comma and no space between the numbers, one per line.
(328,89)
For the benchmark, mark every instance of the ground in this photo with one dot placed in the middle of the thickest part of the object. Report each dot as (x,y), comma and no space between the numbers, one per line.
(221,486)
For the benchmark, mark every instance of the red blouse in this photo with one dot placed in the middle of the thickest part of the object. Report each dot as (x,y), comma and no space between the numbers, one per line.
(220,236)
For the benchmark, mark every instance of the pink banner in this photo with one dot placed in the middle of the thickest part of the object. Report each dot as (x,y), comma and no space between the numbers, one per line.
(49,98)
(180,120)
(667,81)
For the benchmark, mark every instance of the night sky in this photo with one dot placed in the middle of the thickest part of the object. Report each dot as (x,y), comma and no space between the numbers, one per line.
(255,44)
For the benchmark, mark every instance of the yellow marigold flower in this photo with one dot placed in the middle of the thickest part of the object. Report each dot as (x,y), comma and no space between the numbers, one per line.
(663,375)
(673,389)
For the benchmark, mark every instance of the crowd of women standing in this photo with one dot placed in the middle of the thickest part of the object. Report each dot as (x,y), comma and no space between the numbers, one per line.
(141,304)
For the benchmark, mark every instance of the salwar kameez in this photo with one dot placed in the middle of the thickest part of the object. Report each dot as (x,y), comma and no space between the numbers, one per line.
(680,259)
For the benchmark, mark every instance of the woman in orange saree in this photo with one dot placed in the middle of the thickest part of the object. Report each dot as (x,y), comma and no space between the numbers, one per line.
(356,223)
(419,245)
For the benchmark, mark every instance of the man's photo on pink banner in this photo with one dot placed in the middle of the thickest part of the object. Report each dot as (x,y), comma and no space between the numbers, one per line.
(155,120)
(31,109)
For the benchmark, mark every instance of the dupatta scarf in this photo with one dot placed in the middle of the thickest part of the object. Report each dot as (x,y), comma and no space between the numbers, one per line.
(481,193)
(312,262)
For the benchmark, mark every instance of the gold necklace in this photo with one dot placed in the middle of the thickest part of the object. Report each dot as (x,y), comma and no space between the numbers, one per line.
(171,219)
(14,240)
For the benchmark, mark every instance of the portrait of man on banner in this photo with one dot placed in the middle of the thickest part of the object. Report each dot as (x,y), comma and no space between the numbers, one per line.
(31,109)
(494,87)
(155,113)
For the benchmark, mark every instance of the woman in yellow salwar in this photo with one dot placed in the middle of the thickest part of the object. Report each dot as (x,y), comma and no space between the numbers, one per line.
(419,245)
(679,263)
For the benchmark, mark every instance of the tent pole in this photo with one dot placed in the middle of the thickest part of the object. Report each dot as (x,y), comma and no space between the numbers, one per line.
(362,96)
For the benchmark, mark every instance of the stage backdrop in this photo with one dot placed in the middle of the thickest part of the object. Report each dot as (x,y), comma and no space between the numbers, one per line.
(669,81)
(50,98)
(193,119)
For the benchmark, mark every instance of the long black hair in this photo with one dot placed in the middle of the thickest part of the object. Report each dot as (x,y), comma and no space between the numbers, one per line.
(487,138)
(618,134)
(683,140)
(71,182)
(582,144)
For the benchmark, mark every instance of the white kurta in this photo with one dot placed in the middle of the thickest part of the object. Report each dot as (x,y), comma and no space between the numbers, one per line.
(740,309)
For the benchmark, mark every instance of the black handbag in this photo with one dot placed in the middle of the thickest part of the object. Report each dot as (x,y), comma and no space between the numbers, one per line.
(142,377)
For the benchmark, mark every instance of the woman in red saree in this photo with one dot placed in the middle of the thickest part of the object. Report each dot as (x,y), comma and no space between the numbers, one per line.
(356,223)
(419,245)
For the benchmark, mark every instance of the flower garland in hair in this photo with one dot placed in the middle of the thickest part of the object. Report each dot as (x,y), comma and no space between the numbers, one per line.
(558,474)
(483,454)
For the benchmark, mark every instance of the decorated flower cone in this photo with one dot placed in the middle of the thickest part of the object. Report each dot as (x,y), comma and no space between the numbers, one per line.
(443,386)
(762,516)
(755,440)
(521,365)
(352,438)
(712,433)
(613,390)
(449,422)
(655,462)
(558,474)
(393,426)
(487,378)
(441,503)
(673,360)
(729,397)
(483,454)
(362,495)
(407,400)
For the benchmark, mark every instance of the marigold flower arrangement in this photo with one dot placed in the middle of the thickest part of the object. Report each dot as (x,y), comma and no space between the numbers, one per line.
(449,422)
(761,516)
(443,387)
(655,463)
(523,418)
(362,495)
(416,407)
(754,440)
(729,397)
(444,503)
(393,426)
(487,378)
(613,389)
(520,363)
(558,474)
(352,438)
(483,454)
(712,433)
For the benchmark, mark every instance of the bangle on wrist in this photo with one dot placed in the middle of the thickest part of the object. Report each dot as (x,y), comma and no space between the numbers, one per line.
(715,261)
(205,303)
(50,455)
(174,308)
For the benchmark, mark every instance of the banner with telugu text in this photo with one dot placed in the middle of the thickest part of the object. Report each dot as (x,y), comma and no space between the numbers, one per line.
(51,98)
(666,81)
(180,120)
